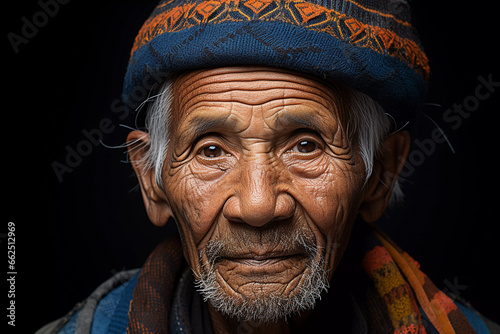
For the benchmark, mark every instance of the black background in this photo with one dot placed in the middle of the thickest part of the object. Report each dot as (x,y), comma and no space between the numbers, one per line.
(73,235)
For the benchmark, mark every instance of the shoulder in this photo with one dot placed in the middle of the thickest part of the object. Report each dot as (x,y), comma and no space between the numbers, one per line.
(104,311)
(481,324)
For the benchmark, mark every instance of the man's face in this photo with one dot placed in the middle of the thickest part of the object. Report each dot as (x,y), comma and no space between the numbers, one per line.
(262,181)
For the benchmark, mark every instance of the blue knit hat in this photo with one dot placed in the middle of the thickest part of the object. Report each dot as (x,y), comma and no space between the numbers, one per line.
(368,45)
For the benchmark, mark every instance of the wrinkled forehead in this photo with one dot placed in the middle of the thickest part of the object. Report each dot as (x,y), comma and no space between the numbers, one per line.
(280,95)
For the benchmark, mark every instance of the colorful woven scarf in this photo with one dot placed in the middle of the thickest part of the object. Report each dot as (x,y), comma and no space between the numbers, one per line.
(407,292)
(150,306)
(404,301)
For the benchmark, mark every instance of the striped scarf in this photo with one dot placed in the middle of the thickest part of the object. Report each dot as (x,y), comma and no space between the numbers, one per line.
(413,303)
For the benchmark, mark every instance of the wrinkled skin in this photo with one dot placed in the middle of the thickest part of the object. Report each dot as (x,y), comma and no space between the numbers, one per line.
(256,150)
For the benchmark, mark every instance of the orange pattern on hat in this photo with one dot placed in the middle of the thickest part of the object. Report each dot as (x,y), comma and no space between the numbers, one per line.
(305,14)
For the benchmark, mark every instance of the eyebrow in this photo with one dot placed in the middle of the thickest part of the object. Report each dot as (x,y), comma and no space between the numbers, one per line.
(301,120)
(202,124)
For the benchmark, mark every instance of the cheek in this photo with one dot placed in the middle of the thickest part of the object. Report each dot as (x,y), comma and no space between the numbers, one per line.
(330,202)
(194,201)
(332,194)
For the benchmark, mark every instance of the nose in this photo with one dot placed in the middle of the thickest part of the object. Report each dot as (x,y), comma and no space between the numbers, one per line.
(258,199)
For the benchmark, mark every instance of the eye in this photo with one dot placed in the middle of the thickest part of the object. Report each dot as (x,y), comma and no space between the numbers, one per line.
(305,146)
(211,151)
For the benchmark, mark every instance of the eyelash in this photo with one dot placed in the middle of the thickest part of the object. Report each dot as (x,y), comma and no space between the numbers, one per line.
(303,135)
(297,149)
(203,144)
(222,151)
(306,135)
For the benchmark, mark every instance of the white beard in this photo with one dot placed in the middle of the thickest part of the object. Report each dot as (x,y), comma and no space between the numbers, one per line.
(266,307)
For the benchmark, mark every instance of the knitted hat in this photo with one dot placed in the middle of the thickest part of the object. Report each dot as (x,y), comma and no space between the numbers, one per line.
(368,45)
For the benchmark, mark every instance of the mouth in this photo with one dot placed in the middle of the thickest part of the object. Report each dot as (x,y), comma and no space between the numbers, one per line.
(270,269)
(262,256)
(267,264)
(263,260)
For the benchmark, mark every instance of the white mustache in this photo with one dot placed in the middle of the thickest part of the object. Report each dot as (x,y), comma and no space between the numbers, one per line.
(262,243)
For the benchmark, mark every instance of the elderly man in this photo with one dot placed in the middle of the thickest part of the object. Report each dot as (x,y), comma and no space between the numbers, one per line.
(274,141)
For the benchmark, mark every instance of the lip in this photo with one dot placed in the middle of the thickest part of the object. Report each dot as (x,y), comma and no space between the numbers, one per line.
(263,260)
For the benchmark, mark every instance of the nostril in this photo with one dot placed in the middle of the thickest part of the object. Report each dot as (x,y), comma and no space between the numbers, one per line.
(231,210)
(259,212)
(285,206)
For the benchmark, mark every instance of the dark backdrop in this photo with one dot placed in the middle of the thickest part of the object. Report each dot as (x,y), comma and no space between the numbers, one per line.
(62,91)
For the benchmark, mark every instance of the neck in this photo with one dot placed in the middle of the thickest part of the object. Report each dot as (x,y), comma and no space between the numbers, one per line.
(223,324)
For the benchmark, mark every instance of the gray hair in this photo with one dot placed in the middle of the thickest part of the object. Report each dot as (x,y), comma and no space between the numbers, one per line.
(368,123)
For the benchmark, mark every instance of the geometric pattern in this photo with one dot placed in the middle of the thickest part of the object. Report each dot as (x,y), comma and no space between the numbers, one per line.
(408,293)
(169,17)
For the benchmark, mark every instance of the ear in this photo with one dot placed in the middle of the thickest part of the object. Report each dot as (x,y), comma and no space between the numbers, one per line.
(385,173)
(155,199)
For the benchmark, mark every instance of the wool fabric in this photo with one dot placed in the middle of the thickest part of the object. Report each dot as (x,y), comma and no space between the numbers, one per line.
(369,45)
